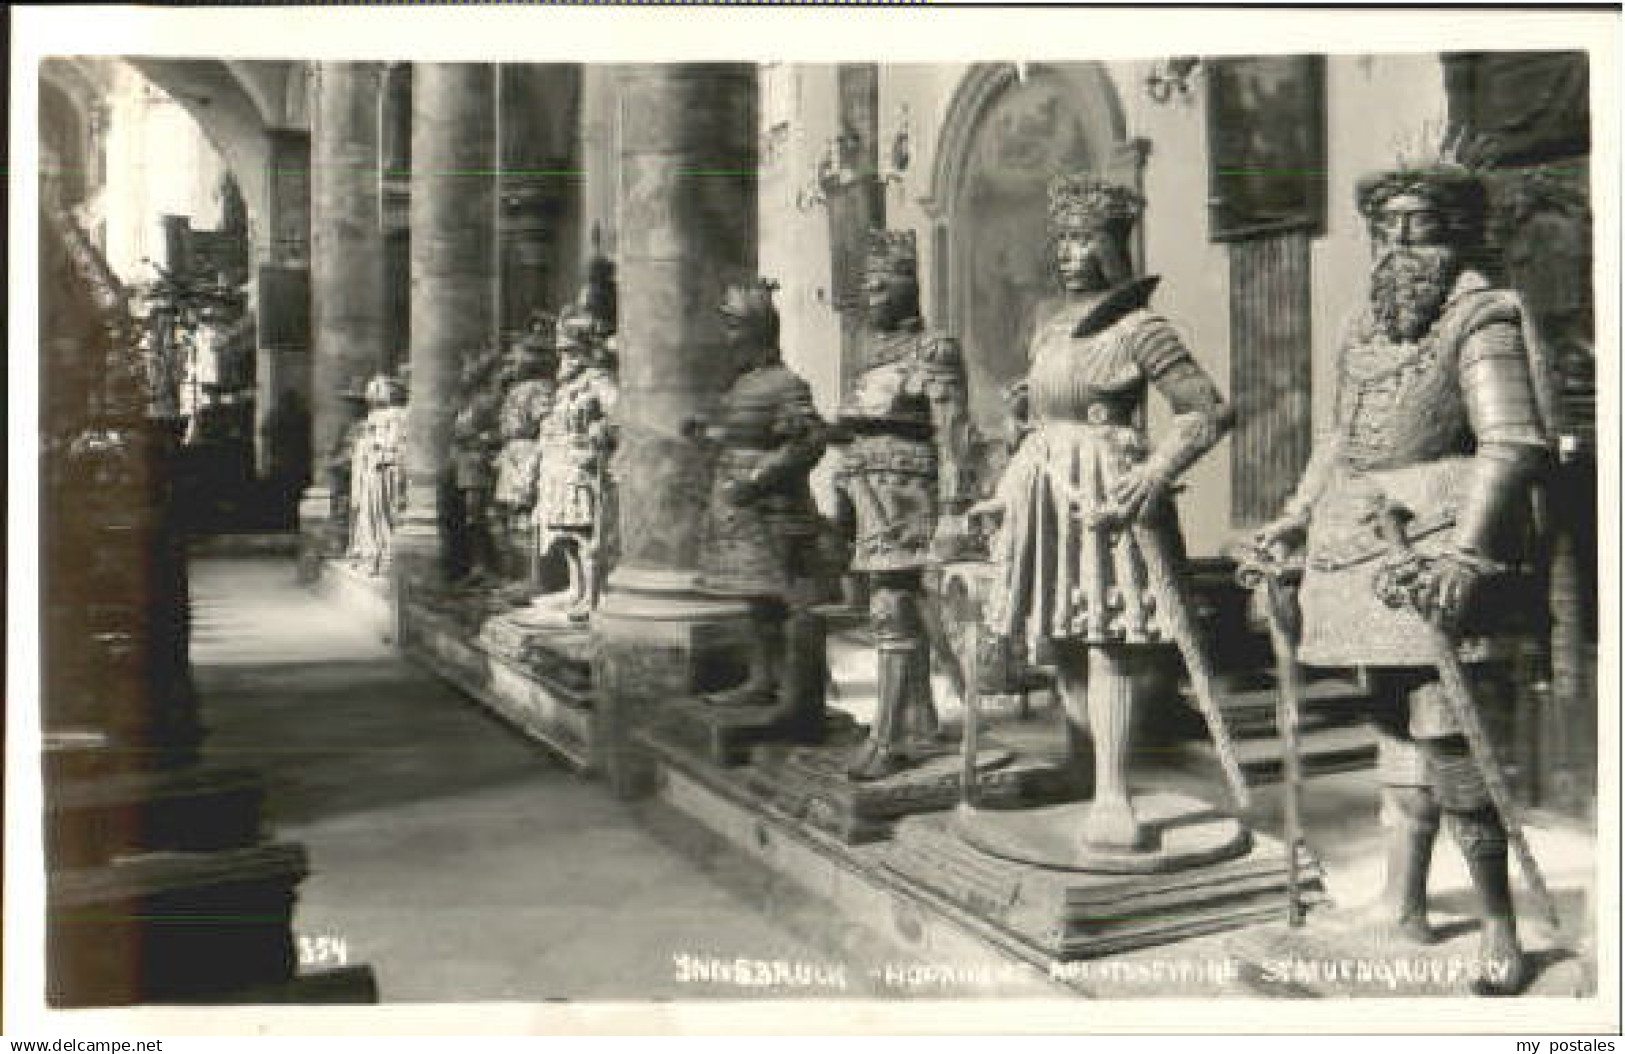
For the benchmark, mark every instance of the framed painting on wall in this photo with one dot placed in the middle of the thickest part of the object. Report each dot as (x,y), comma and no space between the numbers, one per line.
(1266,145)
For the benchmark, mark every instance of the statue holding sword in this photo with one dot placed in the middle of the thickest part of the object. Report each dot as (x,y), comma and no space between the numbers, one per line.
(1088,545)
(1409,514)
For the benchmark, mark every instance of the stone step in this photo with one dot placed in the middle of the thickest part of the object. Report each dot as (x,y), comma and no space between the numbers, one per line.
(1338,748)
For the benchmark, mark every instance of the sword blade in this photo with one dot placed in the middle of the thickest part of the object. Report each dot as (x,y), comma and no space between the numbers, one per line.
(1459,697)
(1171,606)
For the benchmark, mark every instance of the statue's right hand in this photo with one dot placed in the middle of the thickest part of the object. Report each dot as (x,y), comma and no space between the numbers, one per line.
(1280,534)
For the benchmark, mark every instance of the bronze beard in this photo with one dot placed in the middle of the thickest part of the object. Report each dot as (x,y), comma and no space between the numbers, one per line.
(1409,287)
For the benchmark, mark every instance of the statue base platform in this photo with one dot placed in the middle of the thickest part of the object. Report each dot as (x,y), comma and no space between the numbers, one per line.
(912,932)
(1210,876)
(1181,833)
(367,598)
(538,679)
(727,735)
(810,784)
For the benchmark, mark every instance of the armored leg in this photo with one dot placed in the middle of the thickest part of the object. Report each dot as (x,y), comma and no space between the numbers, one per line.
(906,717)
(1110,700)
(1479,834)
(766,658)
(1410,815)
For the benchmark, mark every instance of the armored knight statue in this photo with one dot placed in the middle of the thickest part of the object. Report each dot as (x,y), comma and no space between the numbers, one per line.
(528,393)
(890,486)
(760,523)
(1088,530)
(376,489)
(1441,420)
(573,450)
(476,444)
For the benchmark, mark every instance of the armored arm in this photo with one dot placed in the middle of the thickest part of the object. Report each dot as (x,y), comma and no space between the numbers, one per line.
(1499,389)
(801,438)
(1201,416)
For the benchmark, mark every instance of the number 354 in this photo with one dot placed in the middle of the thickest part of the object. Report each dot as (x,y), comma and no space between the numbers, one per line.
(323,951)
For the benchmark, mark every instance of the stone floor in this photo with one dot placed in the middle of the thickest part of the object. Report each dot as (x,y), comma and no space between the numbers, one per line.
(447,852)
(464,864)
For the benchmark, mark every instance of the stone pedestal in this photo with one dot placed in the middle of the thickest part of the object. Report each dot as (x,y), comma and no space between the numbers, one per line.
(540,682)
(810,784)
(1024,872)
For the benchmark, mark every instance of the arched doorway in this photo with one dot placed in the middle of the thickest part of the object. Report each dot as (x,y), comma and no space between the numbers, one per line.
(1008,132)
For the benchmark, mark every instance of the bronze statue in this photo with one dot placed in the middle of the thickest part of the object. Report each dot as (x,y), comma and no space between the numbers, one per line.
(376,490)
(475,447)
(1441,420)
(1088,536)
(572,452)
(900,428)
(528,393)
(760,521)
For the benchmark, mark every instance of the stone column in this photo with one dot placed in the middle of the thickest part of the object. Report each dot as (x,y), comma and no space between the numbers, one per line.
(346,262)
(537,110)
(452,260)
(598,158)
(282,298)
(394,194)
(857,202)
(686,209)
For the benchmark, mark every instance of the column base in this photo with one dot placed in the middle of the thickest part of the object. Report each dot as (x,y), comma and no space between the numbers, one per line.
(658,641)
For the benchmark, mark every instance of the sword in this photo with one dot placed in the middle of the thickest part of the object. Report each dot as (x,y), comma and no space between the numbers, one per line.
(1398,586)
(1262,572)
(1171,605)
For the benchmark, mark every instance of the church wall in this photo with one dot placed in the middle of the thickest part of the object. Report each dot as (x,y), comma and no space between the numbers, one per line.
(1374,105)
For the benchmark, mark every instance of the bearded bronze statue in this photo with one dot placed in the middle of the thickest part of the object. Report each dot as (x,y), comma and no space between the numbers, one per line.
(1441,416)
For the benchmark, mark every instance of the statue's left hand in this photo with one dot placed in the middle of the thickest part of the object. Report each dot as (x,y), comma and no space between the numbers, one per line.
(1136,491)
(1450,584)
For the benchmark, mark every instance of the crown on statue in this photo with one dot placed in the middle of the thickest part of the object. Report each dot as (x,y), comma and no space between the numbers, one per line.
(1440,170)
(891,253)
(1081,202)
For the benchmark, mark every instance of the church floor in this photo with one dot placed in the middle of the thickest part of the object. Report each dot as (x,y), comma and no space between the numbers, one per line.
(462,863)
(447,852)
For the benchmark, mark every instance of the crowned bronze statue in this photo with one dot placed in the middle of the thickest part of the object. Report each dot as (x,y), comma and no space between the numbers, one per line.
(900,430)
(760,523)
(1087,541)
(573,448)
(527,379)
(376,476)
(476,444)
(1441,420)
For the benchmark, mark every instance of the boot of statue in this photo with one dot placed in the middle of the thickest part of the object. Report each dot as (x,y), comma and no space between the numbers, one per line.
(1483,843)
(1410,818)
